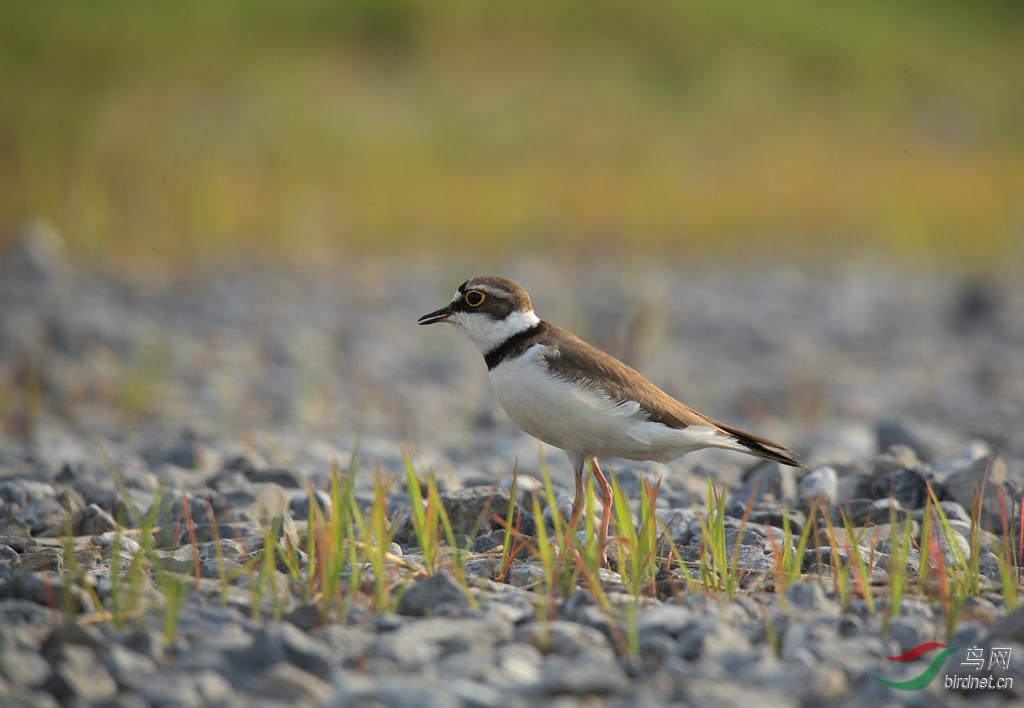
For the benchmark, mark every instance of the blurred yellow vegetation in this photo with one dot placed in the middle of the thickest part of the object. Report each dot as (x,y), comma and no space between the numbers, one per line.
(176,132)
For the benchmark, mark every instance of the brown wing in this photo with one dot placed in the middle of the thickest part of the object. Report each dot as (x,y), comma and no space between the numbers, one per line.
(569,357)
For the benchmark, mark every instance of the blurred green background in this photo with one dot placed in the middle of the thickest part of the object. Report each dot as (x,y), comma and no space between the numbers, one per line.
(179,132)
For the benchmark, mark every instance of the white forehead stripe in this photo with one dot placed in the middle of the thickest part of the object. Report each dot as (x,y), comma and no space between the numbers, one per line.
(482,288)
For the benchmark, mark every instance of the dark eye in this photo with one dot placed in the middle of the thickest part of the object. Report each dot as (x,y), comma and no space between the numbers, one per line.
(474,298)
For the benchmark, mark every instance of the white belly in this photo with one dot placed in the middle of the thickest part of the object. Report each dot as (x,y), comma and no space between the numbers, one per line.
(586,421)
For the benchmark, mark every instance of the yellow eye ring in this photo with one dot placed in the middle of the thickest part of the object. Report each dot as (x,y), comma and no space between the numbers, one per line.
(475,298)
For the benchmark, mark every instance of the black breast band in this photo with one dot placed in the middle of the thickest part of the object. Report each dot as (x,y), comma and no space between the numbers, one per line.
(506,349)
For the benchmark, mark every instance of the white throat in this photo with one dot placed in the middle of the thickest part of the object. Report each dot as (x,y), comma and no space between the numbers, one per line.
(486,333)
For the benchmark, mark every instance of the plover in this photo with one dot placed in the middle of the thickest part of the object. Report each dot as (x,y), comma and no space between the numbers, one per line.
(561,390)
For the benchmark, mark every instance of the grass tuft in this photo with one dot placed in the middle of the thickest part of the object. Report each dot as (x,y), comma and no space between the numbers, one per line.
(345,560)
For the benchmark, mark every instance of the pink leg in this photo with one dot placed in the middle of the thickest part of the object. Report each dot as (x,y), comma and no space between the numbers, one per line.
(577,509)
(606,508)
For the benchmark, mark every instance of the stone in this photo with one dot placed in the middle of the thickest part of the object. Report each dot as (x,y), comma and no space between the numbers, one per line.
(21,697)
(475,694)
(709,638)
(305,616)
(774,518)
(126,546)
(290,683)
(23,492)
(488,542)
(17,543)
(79,633)
(397,692)
(39,559)
(583,675)
(873,511)
(213,689)
(254,657)
(655,649)
(909,486)
(407,656)
(282,476)
(802,637)
(21,612)
(457,635)
(895,457)
(302,650)
(701,691)
(186,452)
(883,535)
(813,557)
(170,689)
(23,667)
(751,537)
(985,477)
(566,639)
(856,485)
(247,460)
(180,560)
(469,509)
(15,528)
(263,503)
(808,595)
(953,547)
(510,604)
(516,666)
(229,550)
(131,700)
(979,609)
(821,485)
(43,586)
(631,481)
(930,443)
(298,504)
(953,511)
(751,559)
(665,619)
(774,481)
(128,668)
(1011,627)
(51,516)
(427,596)
(525,575)
(247,533)
(911,630)
(77,674)
(857,654)
(147,642)
(93,521)
(841,443)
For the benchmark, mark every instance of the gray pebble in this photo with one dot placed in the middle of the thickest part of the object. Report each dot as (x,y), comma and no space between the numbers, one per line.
(821,485)
(290,683)
(430,595)
(77,674)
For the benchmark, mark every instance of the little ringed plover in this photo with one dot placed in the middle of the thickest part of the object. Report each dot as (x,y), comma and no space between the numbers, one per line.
(561,390)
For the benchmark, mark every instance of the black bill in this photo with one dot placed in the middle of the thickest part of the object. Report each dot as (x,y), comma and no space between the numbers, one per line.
(441,315)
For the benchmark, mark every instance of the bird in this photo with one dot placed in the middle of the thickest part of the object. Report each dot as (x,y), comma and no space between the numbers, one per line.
(571,395)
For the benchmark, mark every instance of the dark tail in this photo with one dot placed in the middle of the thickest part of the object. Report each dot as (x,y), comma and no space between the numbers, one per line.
(761,447)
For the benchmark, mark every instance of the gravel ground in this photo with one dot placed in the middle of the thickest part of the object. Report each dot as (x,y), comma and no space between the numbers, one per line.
(244,384)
